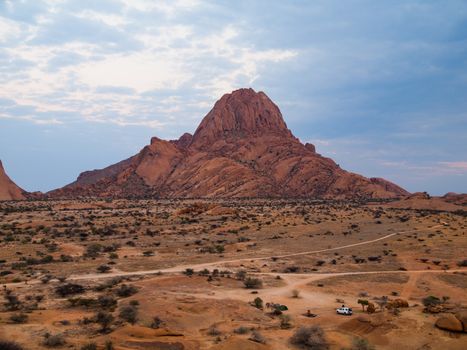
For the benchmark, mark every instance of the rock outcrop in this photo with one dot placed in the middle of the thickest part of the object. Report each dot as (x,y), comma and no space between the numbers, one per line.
(242,148)
(449,322)
(8,189)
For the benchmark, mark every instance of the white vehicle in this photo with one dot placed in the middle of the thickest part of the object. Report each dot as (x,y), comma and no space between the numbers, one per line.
(344,311)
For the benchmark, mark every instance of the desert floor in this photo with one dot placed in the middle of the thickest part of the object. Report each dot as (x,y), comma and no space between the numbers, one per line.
(173,274)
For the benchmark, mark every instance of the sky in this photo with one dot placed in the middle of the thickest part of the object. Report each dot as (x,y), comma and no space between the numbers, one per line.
(379,86)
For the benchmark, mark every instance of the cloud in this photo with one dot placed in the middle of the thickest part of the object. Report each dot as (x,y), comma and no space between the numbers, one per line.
(33,119)
(460,166)
(100,65)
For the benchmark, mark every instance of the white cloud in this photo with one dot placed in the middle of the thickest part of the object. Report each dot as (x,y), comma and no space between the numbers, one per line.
(460,165)
(141,72)
(174,56)
(168,7)
(8,29)
(35,120)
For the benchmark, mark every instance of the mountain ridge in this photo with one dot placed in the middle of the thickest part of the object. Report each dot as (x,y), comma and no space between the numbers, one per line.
(241,148)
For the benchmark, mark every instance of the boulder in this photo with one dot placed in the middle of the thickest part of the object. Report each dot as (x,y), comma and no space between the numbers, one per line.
(399,303)
(449,322)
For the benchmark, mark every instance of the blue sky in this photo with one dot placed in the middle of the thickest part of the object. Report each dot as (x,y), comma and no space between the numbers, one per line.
(379,86)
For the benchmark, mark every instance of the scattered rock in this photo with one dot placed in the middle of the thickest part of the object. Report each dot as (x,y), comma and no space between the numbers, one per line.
(449,322)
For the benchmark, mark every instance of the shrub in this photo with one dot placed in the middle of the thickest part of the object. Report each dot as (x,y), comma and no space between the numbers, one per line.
(19,318)
(258,303)
(189,272)
(285,321)
(103,268)
(93,250)
(257,337)
(69,289)
(89,346)
(129,314)
(109,345)
(310,338)
(12,302)
(241,330)
(295,293)
(105,319)
(361,344)
(9,345)
(126,290)
(156,322)
(431,301)
(253,283)
(53,341)
(106,301)
(214,331)
(371,308)
(240,275)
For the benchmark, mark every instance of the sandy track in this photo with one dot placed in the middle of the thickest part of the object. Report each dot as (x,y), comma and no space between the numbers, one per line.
(220,263)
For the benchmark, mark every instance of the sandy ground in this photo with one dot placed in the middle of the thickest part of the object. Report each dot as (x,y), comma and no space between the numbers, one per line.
(329,253)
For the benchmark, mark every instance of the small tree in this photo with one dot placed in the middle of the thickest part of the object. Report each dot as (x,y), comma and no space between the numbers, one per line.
(363,302)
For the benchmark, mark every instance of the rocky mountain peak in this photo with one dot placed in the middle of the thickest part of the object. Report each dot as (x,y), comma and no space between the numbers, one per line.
(242,113)
(8,189)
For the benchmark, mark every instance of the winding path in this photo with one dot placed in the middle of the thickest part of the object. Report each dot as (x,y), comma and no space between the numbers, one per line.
(219,263)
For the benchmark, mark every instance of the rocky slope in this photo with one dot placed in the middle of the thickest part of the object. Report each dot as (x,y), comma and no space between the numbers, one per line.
(242,148)
(8,189)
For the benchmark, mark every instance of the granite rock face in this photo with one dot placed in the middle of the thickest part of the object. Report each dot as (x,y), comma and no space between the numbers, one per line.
(8,189)
(242,148)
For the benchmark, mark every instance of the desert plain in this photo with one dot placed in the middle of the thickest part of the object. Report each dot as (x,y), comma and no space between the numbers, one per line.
(230,274)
